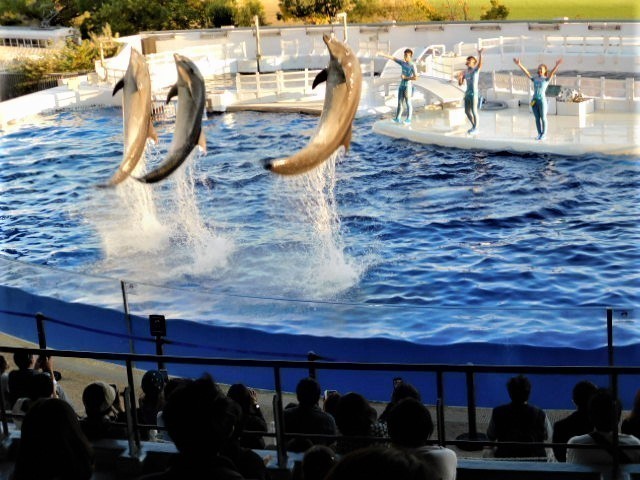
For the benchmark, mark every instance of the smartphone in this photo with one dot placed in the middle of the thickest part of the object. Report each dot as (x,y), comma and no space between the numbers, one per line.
(329,392)
(397,381)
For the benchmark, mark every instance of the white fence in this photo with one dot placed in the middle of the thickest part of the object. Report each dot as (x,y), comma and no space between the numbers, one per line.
(276,83)
(603,88)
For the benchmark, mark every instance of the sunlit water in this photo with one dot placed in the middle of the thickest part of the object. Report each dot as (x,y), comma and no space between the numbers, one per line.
(392,239)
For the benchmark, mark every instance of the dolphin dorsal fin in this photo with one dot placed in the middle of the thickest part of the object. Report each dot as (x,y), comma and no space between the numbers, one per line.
(118,86)
(321,77)
(172,93)
(153,135)
(202,142)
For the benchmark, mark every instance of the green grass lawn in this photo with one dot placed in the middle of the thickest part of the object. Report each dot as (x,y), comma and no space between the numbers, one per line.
(574,9)
(536,9)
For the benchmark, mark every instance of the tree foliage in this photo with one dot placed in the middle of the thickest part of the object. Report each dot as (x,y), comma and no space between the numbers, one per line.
(496,11)
(313,11)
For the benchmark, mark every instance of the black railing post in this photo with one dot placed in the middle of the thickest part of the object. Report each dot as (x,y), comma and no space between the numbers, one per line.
(127,316)
(440,407)
(279,421)
(312,357)
(610,336)
(473,434)
(3,412)
(42,337)
(133,412)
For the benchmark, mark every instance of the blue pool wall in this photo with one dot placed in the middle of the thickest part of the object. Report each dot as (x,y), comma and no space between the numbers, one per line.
(77,326)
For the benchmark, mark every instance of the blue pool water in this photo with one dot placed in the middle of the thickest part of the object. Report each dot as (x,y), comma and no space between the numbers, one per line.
(396,240)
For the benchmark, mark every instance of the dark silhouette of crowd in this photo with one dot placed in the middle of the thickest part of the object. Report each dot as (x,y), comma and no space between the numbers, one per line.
(222,436)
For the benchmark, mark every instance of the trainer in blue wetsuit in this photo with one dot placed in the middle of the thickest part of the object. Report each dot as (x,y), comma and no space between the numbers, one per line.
(472,95)
(539,101)
(405,91)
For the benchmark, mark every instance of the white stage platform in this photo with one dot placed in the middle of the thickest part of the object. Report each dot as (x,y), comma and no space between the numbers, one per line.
(514,130)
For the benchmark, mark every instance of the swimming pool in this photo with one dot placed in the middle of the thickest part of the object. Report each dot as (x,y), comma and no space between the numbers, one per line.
(395,240)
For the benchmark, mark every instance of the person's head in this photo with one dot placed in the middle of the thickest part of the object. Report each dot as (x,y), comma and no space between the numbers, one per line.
(519,389)
(40,386)
(409,423)
(471,61)
(404,390)
(173,384)
(23,360)
(52,444)
(379,463)
(317,462)
(98,399)
(199,418)
(331,403)
(241,394)
(604,410)
(354,415)
(408,54)
(308,392)
(542,70)
(582,393)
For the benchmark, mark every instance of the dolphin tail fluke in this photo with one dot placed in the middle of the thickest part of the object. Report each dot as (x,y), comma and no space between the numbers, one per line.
(202,142)
(118,86)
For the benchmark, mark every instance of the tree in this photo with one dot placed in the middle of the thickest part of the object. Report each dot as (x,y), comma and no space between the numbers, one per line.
(314,11)
(244,14)
(218,13)
(496,11)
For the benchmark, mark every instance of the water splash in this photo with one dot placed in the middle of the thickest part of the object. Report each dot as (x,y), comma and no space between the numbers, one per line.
(160,225)
(330,270)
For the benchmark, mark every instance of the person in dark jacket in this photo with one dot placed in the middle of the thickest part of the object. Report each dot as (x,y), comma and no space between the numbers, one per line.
(518,422)
(578,423)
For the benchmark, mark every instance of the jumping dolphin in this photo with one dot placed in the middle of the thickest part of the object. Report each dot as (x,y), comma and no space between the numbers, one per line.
(342,96)
(136,114)
(188,133)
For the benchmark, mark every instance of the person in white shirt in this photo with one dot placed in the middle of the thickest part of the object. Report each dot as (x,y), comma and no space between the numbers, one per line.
(604,411)
(410,427)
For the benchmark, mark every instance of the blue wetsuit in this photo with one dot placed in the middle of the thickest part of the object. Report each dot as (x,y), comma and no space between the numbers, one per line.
(539,103)
(406,88)
(471,96)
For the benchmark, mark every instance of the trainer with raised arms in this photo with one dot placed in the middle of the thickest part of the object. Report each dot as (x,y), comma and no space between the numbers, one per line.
(539,102)
(405,90)
(472,95)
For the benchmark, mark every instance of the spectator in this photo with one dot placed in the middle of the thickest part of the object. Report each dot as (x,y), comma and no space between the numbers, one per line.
(151,401)
(307,417)
(330,402)
(578,423)
(410,427)
(169,387)
(518,422)
(200,421)
(249,463)
(317,462)
(631,424)
(401,390)
(253,420)
(18,379)
(44,364)
(4,381)
(355,417)
(103,412)
(380,463)
(604,412)
(52,445)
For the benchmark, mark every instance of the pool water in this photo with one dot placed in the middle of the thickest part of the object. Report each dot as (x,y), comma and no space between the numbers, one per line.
(393,239)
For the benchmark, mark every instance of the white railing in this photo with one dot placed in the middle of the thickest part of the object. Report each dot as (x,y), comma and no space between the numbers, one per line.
(602,88)
(276,83)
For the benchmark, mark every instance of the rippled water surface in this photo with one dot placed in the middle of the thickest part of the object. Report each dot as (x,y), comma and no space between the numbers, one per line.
(456,245)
